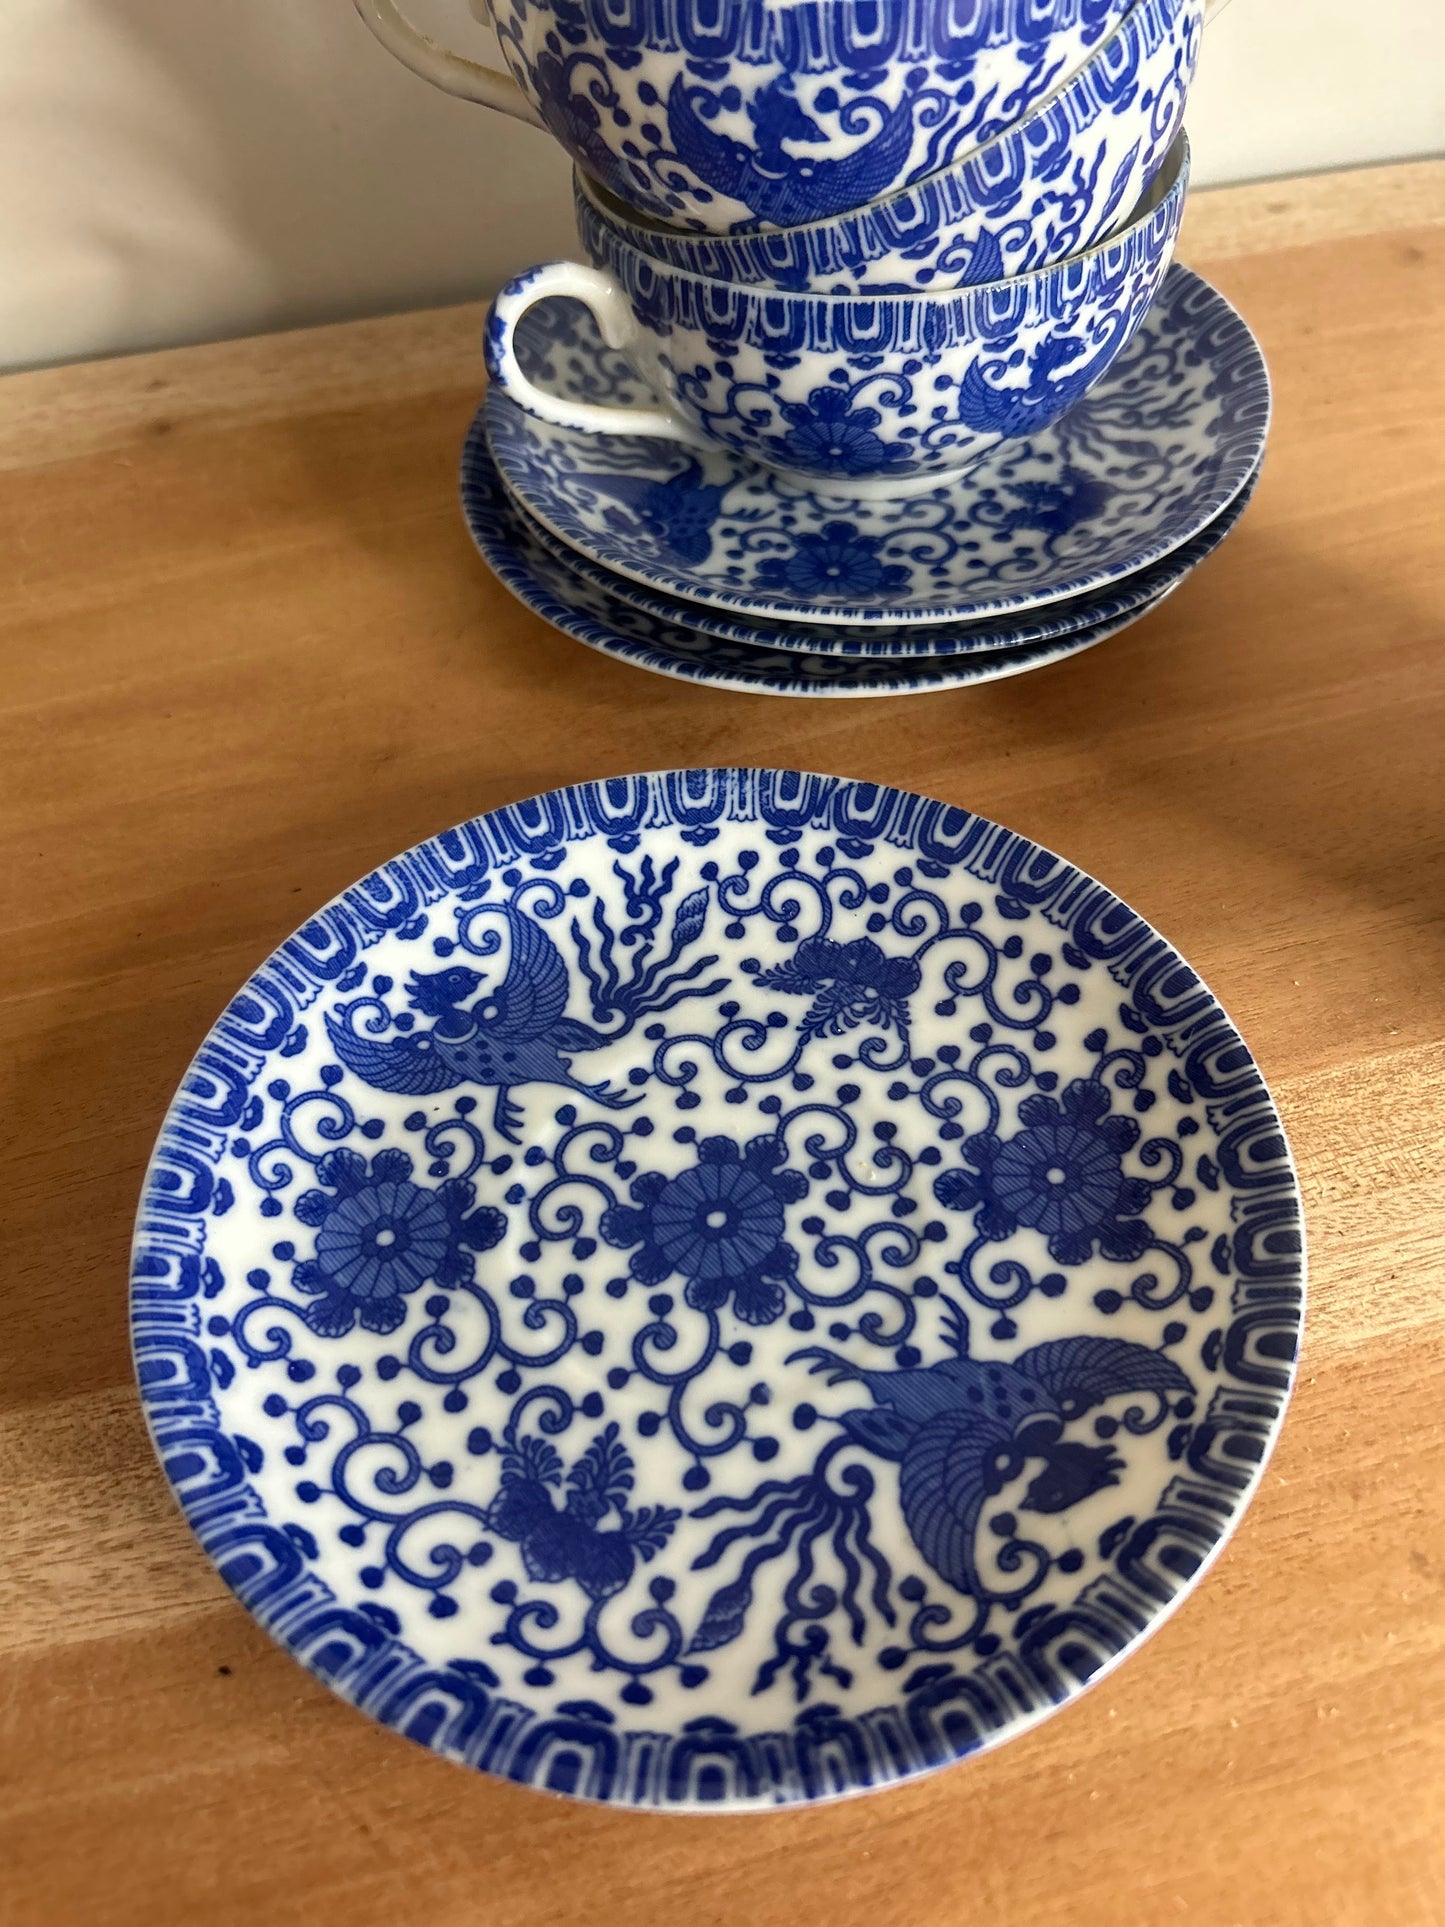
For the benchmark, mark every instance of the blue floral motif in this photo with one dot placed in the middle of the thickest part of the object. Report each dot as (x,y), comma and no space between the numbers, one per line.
(1060,1175)
(829,433)
(379,1237)
(731,651)
(1048,185)
(851,984)
(837,561)
(572,112)
(719,1224)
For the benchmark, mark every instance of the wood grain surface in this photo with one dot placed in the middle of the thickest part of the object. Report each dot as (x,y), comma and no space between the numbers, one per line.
(248,653)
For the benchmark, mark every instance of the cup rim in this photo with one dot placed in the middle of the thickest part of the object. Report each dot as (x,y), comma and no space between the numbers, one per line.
(601,196)
(1168,184)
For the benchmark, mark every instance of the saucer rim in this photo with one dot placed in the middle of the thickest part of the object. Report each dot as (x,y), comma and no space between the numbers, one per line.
(1167,574)
(928,675)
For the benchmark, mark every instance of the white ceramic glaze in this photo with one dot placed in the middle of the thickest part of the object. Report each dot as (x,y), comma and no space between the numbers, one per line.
(595,609)
(1010,635)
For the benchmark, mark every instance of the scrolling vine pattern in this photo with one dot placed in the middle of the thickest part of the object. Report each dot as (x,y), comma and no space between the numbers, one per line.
(727,1225)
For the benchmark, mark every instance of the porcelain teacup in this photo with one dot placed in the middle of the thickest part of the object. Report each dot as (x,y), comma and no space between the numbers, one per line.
(862,394)
(722,115)
(1049,186)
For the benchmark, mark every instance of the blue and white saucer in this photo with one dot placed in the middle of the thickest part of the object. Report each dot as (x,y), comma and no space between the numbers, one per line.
(717,1289)
(590,609)
(1138,468)
(1127,600)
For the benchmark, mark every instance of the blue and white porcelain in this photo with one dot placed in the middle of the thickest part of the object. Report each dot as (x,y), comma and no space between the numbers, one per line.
(717,1289)
(728,114)
(1135,596)
(866,395)
(1148,459)
(1050,185)
(586,603)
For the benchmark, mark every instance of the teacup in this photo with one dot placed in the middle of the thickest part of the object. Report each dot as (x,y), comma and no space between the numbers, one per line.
(722,115)
(867,395)
(1048,187)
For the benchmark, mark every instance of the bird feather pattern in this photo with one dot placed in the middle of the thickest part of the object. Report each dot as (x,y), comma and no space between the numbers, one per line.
(408,1065)
(601,1478)
(1080,1373)
(781,189)
(533,994)
(941,1489)
(723,1617)
(962,1428)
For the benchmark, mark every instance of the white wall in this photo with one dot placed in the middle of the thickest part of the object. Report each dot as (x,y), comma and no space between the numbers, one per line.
(182,170)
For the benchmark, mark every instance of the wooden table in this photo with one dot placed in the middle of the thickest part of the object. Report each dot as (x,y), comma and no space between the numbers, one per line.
(249,652)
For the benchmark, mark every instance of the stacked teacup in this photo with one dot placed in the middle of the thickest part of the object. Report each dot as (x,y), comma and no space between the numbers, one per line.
(876,375)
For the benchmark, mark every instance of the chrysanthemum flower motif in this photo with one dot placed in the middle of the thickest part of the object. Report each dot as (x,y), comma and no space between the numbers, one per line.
(851,984)
(379,1237)
(837,560)
(719,1224)
(828,432)
(1061,1175)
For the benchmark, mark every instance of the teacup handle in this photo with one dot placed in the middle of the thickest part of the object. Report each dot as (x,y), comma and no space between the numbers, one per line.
(453,73)
(614,317)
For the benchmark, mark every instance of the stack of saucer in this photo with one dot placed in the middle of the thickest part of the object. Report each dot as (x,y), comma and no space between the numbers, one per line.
(877,376)
(705,565)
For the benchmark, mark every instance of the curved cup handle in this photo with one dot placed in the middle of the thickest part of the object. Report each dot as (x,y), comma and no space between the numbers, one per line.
(453,73)
(620,330)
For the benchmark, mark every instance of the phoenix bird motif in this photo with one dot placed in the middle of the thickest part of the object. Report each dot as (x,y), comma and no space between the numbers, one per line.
(517,1032)
(962,1429)
(782,188)
(1048,392)
(1056,507)
(680,512)
(564,1537)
